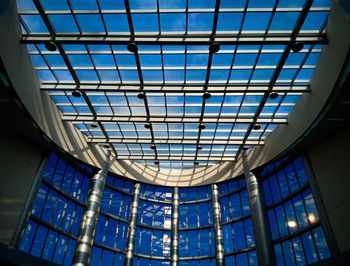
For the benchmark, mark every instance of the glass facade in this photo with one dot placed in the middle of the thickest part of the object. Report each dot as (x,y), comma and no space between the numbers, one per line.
(237,227)
(153,230)
(294,222)
(197,238)
(55,219)
(113,223)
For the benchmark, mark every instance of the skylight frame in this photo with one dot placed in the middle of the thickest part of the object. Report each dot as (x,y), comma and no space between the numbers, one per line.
(237,39)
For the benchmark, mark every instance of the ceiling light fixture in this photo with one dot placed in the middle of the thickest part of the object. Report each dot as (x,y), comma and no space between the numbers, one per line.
(256,127)
(132,47)
(206,95)
(297,47)
(141,96)
(199,147)
(106,146)
(214,48)
(50,46)
(156,162)
(153,147)
(76,94)
(273,95)
(94,125)
(196,163)
(201,126)
(148,126)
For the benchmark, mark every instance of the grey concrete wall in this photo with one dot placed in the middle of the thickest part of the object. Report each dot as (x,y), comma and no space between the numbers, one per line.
(330,161)
(19,163)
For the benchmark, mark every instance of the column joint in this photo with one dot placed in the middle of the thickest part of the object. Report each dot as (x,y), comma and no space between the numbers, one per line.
(130,241)
(175,228)
(219,241)
(91,214)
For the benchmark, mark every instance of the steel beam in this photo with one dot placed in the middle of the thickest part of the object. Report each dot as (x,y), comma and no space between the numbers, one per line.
(271,39)
(281,63)
(170,119)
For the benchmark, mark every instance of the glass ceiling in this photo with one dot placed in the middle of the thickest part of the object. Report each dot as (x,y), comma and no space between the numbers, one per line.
(182,82)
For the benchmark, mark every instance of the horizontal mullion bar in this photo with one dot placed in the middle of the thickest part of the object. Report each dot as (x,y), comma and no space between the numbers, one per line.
(185,90)
(177,105)
(170,52)
(171,131)
(91,85)
(177,141)
(160,141)
(175,158)
(160,68)
(63,193)
(172,10)
(162,119)
(104,141)
(180,39)
(301,231)
(51,227)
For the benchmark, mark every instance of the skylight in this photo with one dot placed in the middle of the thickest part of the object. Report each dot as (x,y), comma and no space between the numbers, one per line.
(197,80)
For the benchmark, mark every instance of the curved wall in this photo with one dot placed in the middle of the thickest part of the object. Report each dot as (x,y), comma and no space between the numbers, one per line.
(66,136)
(294,218)
(54,221)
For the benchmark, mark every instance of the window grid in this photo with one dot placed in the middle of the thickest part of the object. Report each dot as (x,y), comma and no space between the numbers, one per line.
(42,242)
(101,256)
(111,233)
(237,227)
(92,57)
(54,222)
(292,214)
(113,223)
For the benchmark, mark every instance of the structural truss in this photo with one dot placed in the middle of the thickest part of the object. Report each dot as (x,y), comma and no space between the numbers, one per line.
(177,83)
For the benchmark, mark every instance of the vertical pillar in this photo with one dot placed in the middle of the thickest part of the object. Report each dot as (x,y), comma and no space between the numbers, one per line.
(88,226)
(257,209)
(219,241)
(175,228)
(132,226)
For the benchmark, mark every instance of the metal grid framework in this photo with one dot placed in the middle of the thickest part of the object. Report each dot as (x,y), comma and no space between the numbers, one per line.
(206,70)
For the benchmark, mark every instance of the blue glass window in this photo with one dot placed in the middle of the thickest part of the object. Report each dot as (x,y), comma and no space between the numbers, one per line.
(53,204)
(293,215)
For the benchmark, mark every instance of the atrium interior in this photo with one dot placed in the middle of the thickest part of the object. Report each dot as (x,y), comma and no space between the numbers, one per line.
(174,132)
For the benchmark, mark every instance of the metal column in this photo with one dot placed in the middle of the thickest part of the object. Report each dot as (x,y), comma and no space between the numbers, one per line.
(219,242)
(175,228)
(132,226)
(88,227)
(257,210)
